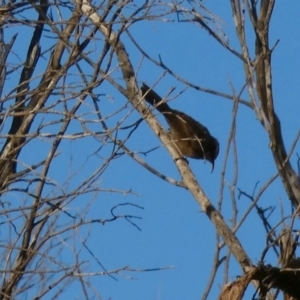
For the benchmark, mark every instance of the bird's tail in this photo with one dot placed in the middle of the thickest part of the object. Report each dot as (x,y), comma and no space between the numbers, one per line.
(155,100)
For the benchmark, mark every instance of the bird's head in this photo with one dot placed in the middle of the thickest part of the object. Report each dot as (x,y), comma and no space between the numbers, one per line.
(213,152)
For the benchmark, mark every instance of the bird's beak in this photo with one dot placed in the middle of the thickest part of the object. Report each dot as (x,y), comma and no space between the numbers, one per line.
(212,166)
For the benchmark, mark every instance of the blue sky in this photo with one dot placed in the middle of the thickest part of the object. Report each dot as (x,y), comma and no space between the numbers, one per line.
(174,232)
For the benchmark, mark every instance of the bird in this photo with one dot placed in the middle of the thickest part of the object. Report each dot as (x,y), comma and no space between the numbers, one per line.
(191,138)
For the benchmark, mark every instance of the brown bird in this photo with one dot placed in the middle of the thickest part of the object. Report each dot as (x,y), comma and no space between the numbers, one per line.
(191,138)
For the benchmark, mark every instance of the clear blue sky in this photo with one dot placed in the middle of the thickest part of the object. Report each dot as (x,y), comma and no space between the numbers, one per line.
(174,232)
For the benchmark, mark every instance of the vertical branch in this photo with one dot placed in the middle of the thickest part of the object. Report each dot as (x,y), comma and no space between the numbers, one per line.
(265,93)
(10,153)
(263,84)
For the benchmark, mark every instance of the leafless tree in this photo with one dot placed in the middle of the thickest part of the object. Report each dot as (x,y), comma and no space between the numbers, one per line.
(61,130)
